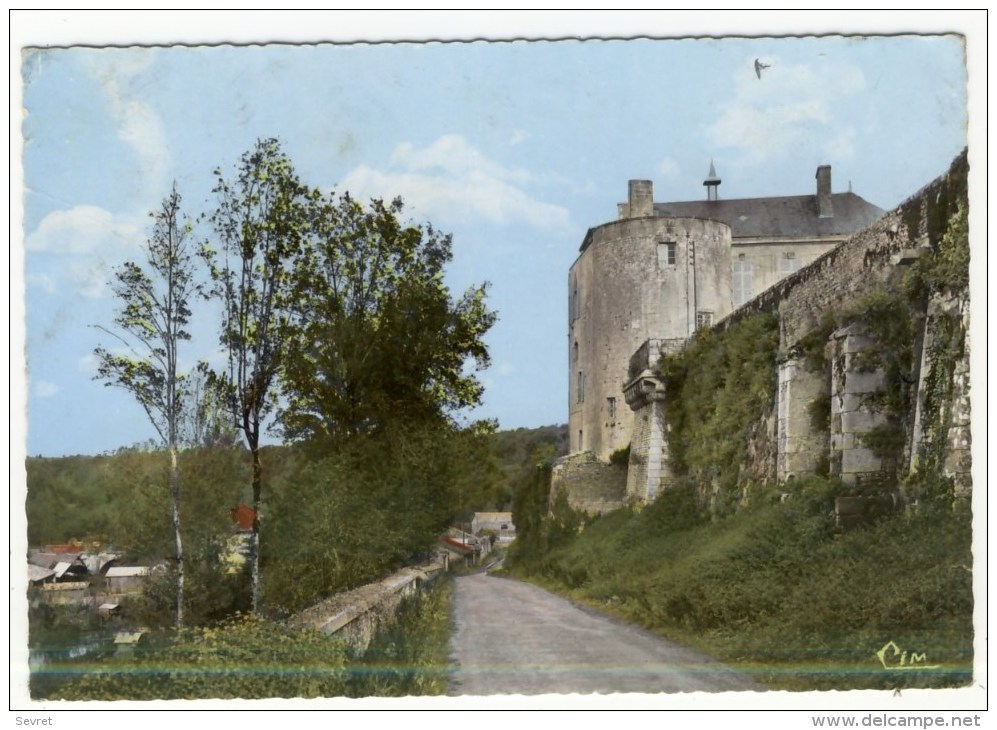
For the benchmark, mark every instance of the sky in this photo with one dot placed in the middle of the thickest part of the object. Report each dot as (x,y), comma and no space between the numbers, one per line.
(516,148)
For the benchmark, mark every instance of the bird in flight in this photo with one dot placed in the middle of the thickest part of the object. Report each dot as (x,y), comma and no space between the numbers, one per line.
(759,66)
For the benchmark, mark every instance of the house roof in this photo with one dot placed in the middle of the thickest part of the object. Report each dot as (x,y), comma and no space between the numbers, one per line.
(128,637)
(493,516)
(43,558)
(37,573)
(61,568)
(69,548)
(127,571)
(790,216)
(242,516)
(454,543)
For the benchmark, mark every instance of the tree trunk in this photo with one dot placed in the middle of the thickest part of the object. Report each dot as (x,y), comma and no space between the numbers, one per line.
(255,549)
(175,497)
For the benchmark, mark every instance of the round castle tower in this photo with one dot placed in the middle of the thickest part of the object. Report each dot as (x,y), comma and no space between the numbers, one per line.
(639,279)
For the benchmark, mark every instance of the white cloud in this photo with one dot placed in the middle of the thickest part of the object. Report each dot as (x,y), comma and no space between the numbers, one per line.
(788,108)
(45,389)
(138,125)
(85,229)
(90,241)
(451,180)
(519,136)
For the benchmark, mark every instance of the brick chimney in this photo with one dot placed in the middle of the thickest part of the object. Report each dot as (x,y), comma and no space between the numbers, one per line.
(824,207)
(641,198)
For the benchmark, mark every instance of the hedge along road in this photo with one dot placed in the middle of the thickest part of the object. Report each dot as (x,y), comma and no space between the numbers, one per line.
(514,638)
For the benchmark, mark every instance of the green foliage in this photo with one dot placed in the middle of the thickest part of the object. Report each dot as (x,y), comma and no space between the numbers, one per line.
(620,457)
(260,223)
(378,503)
(376,332)
(529,513)
(948,348)
(152,320)
(412,656)
(777,589)
(887,318)
(245,657)
(886,440)
(946,267)
(719,387)
(819,410)
(105,499)
(120,501)
(813,346)
(513,461)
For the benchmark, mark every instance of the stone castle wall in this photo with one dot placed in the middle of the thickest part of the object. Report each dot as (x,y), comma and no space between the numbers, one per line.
(591,485)
(873,260)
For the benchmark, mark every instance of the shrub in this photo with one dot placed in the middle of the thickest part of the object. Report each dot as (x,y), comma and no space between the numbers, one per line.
(243,658)
(620,457)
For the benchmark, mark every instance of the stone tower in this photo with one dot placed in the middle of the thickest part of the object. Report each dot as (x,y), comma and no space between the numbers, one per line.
(642,277)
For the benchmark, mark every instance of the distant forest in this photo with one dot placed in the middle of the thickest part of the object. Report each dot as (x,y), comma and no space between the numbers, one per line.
(120,498)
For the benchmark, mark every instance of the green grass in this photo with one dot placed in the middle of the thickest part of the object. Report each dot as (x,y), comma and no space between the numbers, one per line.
(251,658)
(412,657)
(777,591)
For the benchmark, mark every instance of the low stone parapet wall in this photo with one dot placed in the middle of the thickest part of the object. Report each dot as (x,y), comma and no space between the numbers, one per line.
(357,615)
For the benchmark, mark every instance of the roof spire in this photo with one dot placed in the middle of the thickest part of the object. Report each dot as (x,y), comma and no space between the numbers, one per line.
(711,182)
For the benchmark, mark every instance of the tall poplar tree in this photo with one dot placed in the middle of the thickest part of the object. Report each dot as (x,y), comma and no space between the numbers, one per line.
(259,224)
(149,326)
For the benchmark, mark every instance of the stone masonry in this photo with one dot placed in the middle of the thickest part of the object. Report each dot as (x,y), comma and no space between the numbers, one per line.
(852,390)
(872,260)
(591,485)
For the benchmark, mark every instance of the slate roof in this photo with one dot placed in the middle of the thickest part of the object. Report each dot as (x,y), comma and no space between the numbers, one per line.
(37,574)
(46,558)
(791,216)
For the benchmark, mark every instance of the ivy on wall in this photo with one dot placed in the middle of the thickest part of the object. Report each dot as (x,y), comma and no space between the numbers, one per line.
(944,273)
(723,384)
(718,390)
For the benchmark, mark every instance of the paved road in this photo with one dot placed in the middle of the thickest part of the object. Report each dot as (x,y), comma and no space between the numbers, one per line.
(515,638)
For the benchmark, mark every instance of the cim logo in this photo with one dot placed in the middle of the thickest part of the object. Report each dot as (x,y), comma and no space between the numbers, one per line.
(892,657)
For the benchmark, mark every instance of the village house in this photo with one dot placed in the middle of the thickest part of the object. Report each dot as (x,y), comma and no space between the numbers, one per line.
(497,524)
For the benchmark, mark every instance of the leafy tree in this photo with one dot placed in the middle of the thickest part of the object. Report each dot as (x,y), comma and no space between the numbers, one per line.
(207,423)
(151,323)
(378,337)
(260,224)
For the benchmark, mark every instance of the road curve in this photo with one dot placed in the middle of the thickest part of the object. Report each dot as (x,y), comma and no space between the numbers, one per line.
(515,638)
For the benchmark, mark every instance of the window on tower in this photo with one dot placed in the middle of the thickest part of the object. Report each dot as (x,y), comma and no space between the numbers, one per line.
(666,253)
